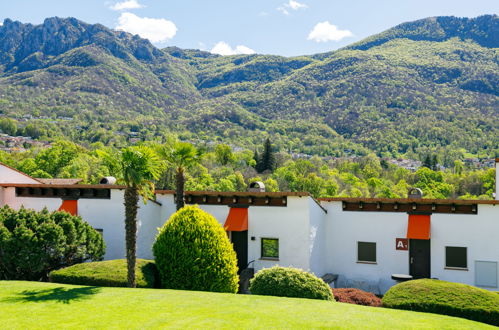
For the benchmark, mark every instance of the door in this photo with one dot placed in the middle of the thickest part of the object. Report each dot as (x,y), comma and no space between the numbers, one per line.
(240,243)
(419,258)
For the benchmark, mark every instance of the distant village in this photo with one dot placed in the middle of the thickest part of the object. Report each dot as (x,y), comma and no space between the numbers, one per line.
(10,143)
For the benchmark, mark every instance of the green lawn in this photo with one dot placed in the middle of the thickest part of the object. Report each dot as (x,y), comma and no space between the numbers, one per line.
(50,305)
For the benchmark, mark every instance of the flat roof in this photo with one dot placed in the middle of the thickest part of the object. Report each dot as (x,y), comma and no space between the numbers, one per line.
(238,193)
(409,200)
(262,194)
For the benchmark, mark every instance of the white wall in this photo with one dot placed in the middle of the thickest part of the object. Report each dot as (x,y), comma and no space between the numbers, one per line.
(8,175)
(478,233)
(345,228)
(105,214)
(317,238)
(289,224)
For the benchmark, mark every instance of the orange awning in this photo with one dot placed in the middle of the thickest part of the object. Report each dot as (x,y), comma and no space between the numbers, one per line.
(237,220)
(70,206)
(419,226)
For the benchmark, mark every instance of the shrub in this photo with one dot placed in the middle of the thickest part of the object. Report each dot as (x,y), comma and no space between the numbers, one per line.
(107,273)
(289,282)
(357,297)
(34,243)
(193,252)
(446,298)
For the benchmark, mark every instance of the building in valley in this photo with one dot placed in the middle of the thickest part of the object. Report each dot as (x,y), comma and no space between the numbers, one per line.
(362,240)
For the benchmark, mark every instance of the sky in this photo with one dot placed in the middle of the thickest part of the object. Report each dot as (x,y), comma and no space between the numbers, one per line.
(226,27)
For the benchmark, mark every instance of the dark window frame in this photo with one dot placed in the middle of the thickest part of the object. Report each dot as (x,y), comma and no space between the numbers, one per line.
(262,250)
(361,260)
(453,264)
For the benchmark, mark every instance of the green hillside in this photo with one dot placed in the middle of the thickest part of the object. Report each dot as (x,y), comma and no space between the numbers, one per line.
(425,85)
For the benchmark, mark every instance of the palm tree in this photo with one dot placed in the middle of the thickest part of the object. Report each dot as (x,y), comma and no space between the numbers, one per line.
(181,156)
(140,166)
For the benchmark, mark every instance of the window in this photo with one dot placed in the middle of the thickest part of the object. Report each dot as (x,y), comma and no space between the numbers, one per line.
(456,257)
(366,252)
(270,248)
(100,231)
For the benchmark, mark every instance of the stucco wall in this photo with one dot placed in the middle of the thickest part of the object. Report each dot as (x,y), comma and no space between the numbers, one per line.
(345,228)
(317,238)
(478,233)
(289,224)
(8,175)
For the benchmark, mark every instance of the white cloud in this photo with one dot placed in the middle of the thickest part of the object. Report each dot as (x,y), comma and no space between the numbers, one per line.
(325,31)
(124,5)
(154,29)
(295,5)
(291,5)
(223,48)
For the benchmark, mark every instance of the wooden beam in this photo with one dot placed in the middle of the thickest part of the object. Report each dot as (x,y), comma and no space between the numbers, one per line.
(419,207)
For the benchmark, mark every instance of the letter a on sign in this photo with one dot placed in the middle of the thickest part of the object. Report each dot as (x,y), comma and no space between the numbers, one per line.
(401,244)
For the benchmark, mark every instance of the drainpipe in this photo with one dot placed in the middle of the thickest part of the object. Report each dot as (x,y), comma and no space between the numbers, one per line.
(497,178)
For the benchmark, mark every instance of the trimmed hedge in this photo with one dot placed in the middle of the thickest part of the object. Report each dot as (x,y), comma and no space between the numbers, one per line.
(440,297)
(107,273)
(357,297)
(192,252)
(289,282)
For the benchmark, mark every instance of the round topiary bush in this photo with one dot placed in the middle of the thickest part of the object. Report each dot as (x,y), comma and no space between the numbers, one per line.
(356,297)
(440,297)
(193,252)
(107,273)
(34,243)
(289,282)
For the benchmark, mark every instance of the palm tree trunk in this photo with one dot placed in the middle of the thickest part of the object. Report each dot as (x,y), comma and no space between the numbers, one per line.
(180,182)
(131,207)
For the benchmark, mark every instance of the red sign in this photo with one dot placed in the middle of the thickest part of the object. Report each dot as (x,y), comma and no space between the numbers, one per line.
(402,244)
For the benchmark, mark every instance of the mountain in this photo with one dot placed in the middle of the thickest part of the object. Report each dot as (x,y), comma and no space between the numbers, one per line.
(423,85)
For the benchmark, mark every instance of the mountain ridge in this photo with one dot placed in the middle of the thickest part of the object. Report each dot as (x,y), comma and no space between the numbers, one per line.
(354,99)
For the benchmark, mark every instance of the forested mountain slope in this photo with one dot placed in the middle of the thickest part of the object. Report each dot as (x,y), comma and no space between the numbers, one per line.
(428,84)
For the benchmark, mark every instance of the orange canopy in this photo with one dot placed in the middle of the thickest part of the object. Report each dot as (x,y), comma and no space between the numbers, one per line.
(419,226)
(237,220)
(70,206)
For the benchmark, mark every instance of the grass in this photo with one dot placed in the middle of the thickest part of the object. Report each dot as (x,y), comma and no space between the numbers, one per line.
(447,298)
(49,305)
(107,273)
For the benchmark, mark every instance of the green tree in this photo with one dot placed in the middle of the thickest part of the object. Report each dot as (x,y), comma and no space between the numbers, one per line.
(140,166)
(181,156)
(192,252)
(266,161)
(34,243)
(224,154)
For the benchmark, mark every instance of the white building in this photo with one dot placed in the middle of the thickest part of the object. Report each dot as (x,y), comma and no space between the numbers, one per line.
(362,240)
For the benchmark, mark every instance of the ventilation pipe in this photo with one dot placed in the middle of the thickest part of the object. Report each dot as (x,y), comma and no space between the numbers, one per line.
(256,186)
(108,180)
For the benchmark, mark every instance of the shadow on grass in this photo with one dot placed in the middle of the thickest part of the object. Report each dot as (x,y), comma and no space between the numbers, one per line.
(62,295)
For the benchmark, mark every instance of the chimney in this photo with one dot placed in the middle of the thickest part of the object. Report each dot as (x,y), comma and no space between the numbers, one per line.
(497,178)
(256,186)
(108,180)
(415,193)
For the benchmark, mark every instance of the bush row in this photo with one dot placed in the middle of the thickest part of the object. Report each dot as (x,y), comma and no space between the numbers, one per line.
(107,273)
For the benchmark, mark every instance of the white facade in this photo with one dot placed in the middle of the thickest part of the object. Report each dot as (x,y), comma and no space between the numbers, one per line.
(477,233)
(320,237)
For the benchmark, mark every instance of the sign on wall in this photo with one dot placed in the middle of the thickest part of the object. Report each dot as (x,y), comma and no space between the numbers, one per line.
(402,244)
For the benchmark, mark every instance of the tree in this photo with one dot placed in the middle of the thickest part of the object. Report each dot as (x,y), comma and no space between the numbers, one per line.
(267,160)
(224,155)
(193,252)
(34,243)
(140,166)
(181,156)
